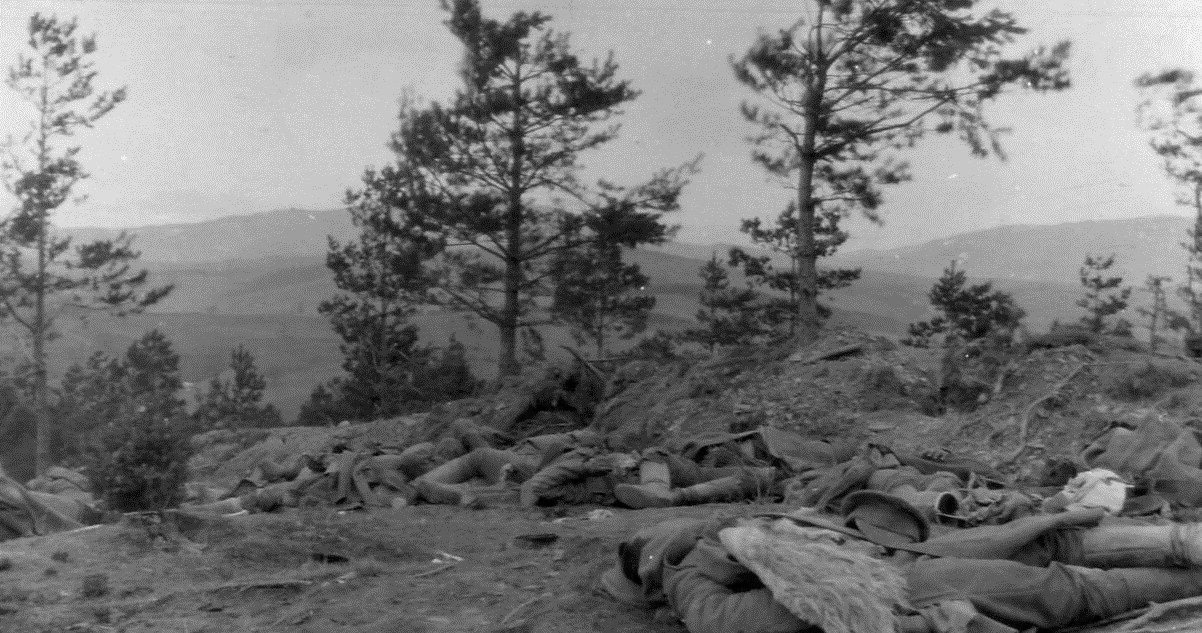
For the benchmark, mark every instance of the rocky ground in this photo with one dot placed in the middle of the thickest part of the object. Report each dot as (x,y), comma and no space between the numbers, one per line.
(433,568)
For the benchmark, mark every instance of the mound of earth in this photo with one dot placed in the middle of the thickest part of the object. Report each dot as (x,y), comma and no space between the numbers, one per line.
(507,570)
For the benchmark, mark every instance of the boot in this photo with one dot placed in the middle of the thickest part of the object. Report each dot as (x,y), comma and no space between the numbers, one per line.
(733,488)
(653,491)
(1177,545)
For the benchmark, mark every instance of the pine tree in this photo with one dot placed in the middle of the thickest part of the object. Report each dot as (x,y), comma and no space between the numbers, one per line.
(1172,112)
(853,83)
(495,173)
(728,316)
(140,459)
(1158,315)
(150,373)
(965,312)
(91,394)
(237,402)
(382,281)
(782,302)
(597,294)
(1104,295)
(41,276)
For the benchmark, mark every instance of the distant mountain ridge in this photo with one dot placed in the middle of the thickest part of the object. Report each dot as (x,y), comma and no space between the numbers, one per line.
(273,262)
(1026,252)
(257,279)
(270,234)
(1051,253)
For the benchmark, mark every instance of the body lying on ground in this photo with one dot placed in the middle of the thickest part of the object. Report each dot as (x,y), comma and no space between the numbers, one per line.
(25,512)
(563,468)
(880,571)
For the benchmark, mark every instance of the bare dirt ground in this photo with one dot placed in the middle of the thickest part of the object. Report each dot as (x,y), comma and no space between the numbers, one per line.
(415,570)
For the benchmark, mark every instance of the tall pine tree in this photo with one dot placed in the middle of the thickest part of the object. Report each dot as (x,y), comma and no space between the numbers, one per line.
(498,167)
(41,276)
(853,83)
(1172,112)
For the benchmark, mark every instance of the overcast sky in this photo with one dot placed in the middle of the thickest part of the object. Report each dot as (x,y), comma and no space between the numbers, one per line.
(239,106)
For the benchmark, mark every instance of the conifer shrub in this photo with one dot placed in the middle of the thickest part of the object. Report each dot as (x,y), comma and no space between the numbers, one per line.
(1061,335)
(1148,381)
(965,312)
(140,457)
(142,463)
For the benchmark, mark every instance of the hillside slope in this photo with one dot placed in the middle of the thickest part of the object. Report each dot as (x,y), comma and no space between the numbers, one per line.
(258,279)
(1143,246)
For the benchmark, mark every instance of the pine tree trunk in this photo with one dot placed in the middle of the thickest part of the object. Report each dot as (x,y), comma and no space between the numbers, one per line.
(42,455)
(507,363)
(808,320)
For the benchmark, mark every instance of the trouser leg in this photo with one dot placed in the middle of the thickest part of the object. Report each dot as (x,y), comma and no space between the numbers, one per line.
(654,489)
(456,471)
(681,471)
(1046,597)
(475,436)
(1176,545)
(413,462)
(748,484)
(440,485)
(436,492)
(541,488)
(1115,591)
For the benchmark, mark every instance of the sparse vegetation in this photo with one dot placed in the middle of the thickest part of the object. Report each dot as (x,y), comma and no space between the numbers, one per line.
(657,346)
(1063,335)
(966,312)
(1148,381)
(237,402)
(1158,315)
(1105,296)
(728,315)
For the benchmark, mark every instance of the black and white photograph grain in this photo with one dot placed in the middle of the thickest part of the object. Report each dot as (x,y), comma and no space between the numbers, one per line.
(601,316)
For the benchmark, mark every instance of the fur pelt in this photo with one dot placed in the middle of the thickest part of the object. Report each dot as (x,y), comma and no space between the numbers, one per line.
(819,581)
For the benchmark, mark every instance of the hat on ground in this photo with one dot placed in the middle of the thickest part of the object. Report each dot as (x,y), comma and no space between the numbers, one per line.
(620,588)
(884,518)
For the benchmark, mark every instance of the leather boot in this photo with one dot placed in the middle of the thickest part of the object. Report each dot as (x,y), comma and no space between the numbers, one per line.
(653,491)
(1177,545)
(733,488)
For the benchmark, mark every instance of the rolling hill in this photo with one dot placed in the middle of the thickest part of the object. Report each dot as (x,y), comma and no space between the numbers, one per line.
(1143,246)
(257,280)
